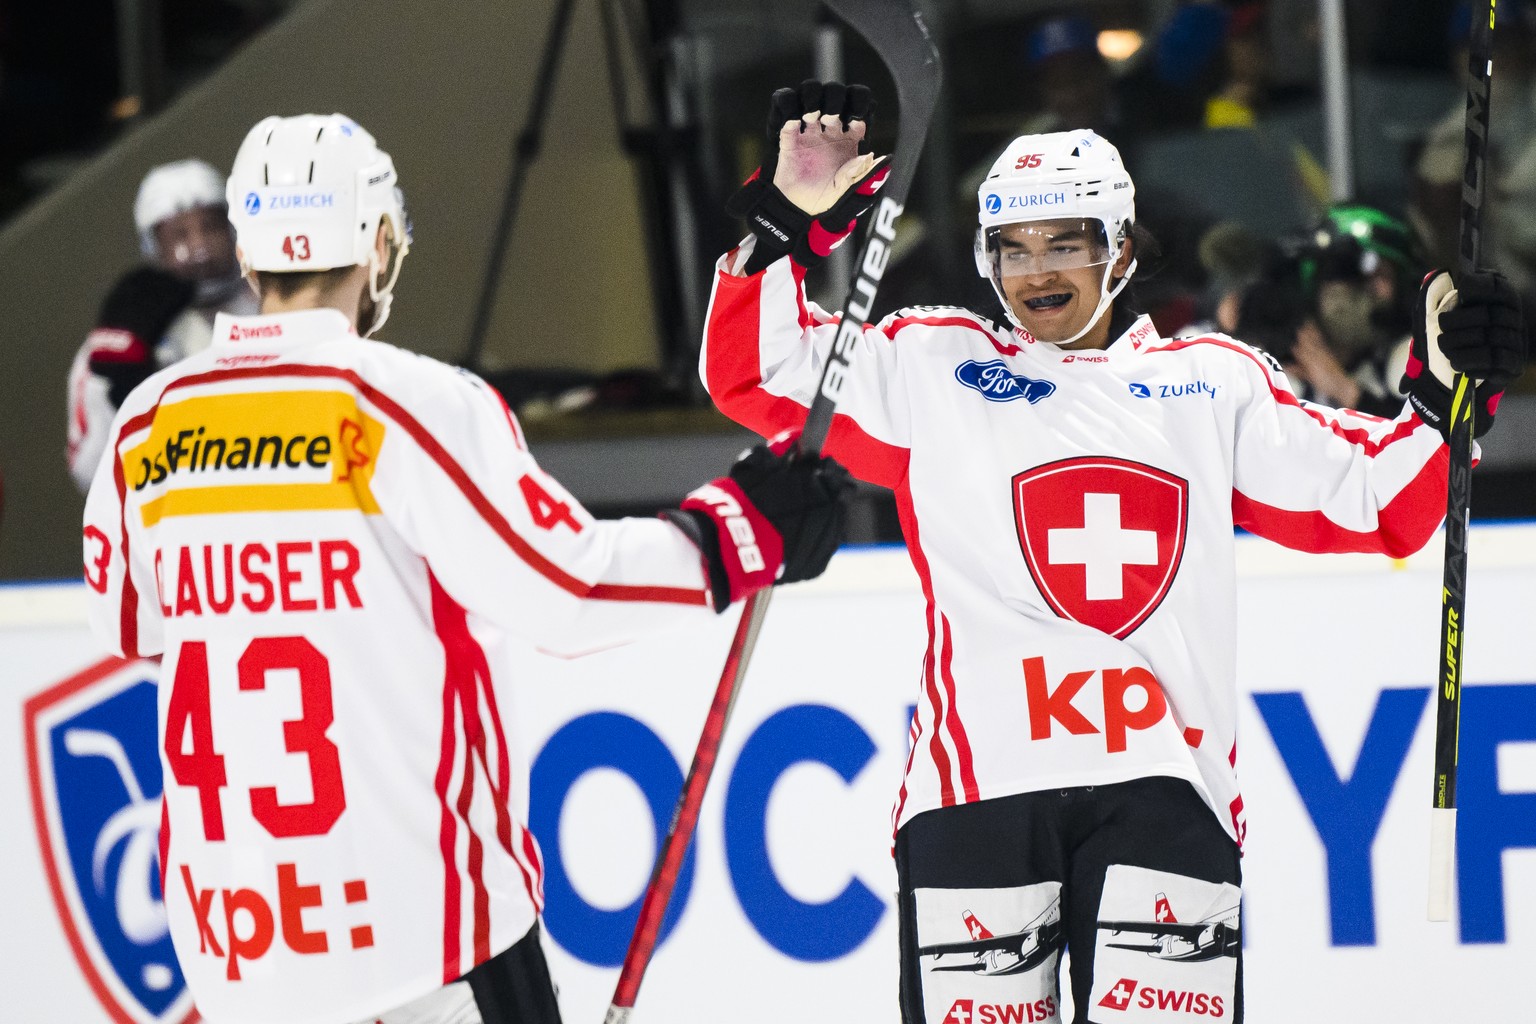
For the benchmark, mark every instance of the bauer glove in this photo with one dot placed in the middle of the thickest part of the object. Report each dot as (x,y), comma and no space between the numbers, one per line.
(806,198)
(1471,325)
(777,518)
(134,317)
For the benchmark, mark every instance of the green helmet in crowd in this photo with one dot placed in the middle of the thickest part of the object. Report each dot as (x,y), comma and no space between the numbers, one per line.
(1353,242)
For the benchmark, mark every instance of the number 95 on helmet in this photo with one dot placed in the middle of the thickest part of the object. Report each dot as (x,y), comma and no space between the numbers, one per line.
(311,193)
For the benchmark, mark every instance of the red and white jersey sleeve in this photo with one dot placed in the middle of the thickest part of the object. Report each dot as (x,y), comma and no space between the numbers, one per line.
(1070,516)
(88,402)
(1330,480)
(332,542)
(89,412)
(764,346)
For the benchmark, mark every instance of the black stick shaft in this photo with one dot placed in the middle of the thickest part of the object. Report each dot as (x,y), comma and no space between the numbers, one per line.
(1458,499)
(1453,590)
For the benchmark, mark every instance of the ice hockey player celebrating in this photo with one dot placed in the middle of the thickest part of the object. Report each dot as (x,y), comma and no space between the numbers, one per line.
(161,310)
(329,540)
(1068,488)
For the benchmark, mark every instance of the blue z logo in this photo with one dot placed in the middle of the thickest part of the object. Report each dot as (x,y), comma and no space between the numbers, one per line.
(997,384)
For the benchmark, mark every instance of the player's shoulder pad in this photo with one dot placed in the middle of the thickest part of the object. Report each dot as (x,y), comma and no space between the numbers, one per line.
(940,317)
(1216,343)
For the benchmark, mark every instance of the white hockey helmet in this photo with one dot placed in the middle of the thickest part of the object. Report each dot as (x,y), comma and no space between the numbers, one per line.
(309,192)
(170,189)
(1073,175)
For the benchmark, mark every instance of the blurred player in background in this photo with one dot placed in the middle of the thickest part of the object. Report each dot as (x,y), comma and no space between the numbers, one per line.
(1068,488)
(329,540)
(160,311)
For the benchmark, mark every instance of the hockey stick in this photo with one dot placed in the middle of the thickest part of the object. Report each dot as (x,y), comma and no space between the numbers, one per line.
(896,30)
(1453,592)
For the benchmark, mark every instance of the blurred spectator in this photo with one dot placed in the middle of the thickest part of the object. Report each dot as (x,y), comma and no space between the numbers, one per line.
(1072,87)
(1338,311)
(1236,101)
(162,310)
(1434,209)
(1061,56)
(1233,259)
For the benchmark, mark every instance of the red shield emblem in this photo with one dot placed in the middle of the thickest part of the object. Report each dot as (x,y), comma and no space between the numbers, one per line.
(1102,537)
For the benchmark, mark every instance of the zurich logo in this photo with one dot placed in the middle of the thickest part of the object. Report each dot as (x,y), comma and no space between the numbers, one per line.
(95,768)
(997,384)
(252,203)
(994,202)
(1140,390)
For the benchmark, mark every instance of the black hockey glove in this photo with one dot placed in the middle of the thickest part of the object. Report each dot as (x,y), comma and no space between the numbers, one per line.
(1472,326)
(134,317)
(777,518)
(806,198)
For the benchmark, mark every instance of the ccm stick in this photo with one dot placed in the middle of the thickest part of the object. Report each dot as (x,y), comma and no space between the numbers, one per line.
(1453,591)
(896,30)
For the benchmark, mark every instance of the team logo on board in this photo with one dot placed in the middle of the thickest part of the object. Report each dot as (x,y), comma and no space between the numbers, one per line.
(94,770)
(999,384)
(1102,537)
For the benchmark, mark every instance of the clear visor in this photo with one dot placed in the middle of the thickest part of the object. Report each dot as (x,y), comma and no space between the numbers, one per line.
(1042,247)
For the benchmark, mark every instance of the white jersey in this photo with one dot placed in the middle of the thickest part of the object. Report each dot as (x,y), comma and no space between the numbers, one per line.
(89,405)
(330,541)
(1070,516)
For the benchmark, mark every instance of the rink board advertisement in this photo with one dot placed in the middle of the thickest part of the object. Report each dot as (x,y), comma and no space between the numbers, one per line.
(784,909)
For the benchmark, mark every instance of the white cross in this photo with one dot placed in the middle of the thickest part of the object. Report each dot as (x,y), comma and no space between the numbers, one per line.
(1102,546)
(960,1012)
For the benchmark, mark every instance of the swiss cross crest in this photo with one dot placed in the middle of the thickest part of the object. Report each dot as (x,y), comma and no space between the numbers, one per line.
(94,767)
(1102,537)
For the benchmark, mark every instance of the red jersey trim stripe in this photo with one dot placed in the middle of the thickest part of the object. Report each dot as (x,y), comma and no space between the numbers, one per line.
(1403,525)
(455,472)
(128,606)
(462,659)
(890,329)
(957,728)
(936,750)
(447,830)
(501,783)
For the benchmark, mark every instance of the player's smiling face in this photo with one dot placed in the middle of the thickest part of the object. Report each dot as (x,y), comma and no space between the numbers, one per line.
(1052,272)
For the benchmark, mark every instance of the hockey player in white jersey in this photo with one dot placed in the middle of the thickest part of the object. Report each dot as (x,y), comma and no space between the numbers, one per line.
(329,541)
(1068,484)
(161,310)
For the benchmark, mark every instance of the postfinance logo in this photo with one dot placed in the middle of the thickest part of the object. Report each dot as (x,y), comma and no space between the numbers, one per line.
(256,452)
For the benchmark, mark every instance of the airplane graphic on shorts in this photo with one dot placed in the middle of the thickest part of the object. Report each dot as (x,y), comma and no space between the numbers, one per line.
(1169,939)
(1013,953)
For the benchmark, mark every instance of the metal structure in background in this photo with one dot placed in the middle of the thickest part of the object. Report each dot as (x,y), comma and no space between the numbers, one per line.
(141,55)
(1336,100)
(827,51)
(659,143)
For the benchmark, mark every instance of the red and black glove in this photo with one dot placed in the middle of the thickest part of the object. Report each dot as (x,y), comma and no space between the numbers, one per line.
(777,518)
(1472,325)
(134,317)
(806,198)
